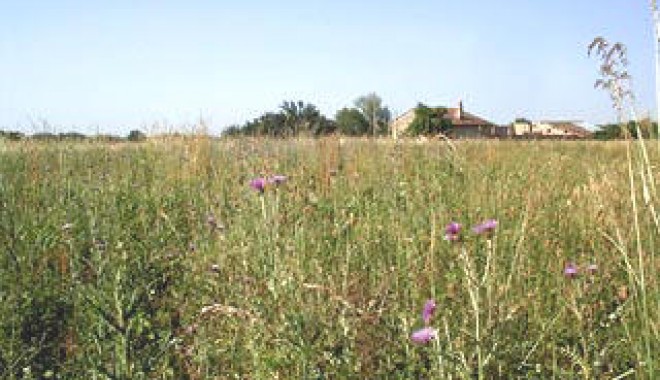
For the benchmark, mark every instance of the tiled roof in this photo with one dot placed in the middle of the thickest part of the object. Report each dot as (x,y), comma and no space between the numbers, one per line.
(467,119)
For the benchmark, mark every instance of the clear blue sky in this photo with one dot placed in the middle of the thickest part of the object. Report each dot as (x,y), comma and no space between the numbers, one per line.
(111,66)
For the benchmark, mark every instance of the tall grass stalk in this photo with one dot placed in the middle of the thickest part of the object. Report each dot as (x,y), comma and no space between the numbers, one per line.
(616,80)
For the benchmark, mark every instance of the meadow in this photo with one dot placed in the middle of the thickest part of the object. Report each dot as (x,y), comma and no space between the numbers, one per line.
(159,260)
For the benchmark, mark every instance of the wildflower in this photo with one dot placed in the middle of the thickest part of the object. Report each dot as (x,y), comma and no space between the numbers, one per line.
(452,231)
(487,226)
(592,268)
(277,179)
(427,333)
(429,310)
(424,335)
(258,184)
(571,270)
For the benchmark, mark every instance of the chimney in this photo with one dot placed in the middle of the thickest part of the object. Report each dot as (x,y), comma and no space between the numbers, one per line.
(459,111)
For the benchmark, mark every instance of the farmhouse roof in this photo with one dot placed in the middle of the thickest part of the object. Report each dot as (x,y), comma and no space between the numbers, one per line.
(466,118)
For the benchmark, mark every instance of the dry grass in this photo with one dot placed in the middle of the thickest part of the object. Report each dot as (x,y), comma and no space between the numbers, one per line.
(172,267)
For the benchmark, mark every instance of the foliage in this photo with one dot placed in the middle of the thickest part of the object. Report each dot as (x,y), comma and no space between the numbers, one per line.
(522,120)
(106,138)
(268,124)
(429,121)
(44,136)
(377,115)
(619,131)
(351,122)
(293,119)
(11,135)
(232,130)
(136,136)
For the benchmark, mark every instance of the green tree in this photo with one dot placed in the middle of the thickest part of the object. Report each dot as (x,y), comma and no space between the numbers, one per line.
(630,129)
(232,130)
(71,136)
(268,124)
(377,115)
(293,119)
(304,118)
(429,121)
(136,135)
(351,122)
(12,135)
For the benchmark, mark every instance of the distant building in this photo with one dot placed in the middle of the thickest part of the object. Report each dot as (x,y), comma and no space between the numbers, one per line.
(463,124)
(549,129)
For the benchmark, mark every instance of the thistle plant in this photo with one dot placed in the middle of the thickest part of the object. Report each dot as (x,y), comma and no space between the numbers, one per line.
(427,333)
(479,286)
(269,211)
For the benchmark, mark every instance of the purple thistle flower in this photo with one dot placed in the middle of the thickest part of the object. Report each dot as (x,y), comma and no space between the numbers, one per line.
(487,226)
(277,179)
(571,270)
(258,184)
(452,231)
(429,310)
(424,335)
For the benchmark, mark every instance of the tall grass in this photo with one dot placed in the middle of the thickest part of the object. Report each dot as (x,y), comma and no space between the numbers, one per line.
(156,260)
(643,196)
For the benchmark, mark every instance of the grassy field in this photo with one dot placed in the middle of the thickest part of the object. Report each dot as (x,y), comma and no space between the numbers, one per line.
(158,260)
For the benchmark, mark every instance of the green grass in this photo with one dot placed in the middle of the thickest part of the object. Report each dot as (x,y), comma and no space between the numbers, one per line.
(156,260)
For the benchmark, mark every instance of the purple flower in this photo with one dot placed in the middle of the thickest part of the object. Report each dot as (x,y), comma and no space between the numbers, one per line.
(424,335)
(571,270)
(258,184)
(277,179)
(452,231)
(429,310)
(487,226)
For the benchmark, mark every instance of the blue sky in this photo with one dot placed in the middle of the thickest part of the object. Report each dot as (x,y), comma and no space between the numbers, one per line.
(112,66)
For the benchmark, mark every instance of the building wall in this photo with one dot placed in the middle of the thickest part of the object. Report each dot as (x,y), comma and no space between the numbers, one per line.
(401,123)
(541,129)
(547,130)
(469,132)
(503,131)
(520,129)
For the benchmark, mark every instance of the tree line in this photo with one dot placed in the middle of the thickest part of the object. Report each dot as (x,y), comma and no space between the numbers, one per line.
(633,129)
(133,136)
(368,116)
